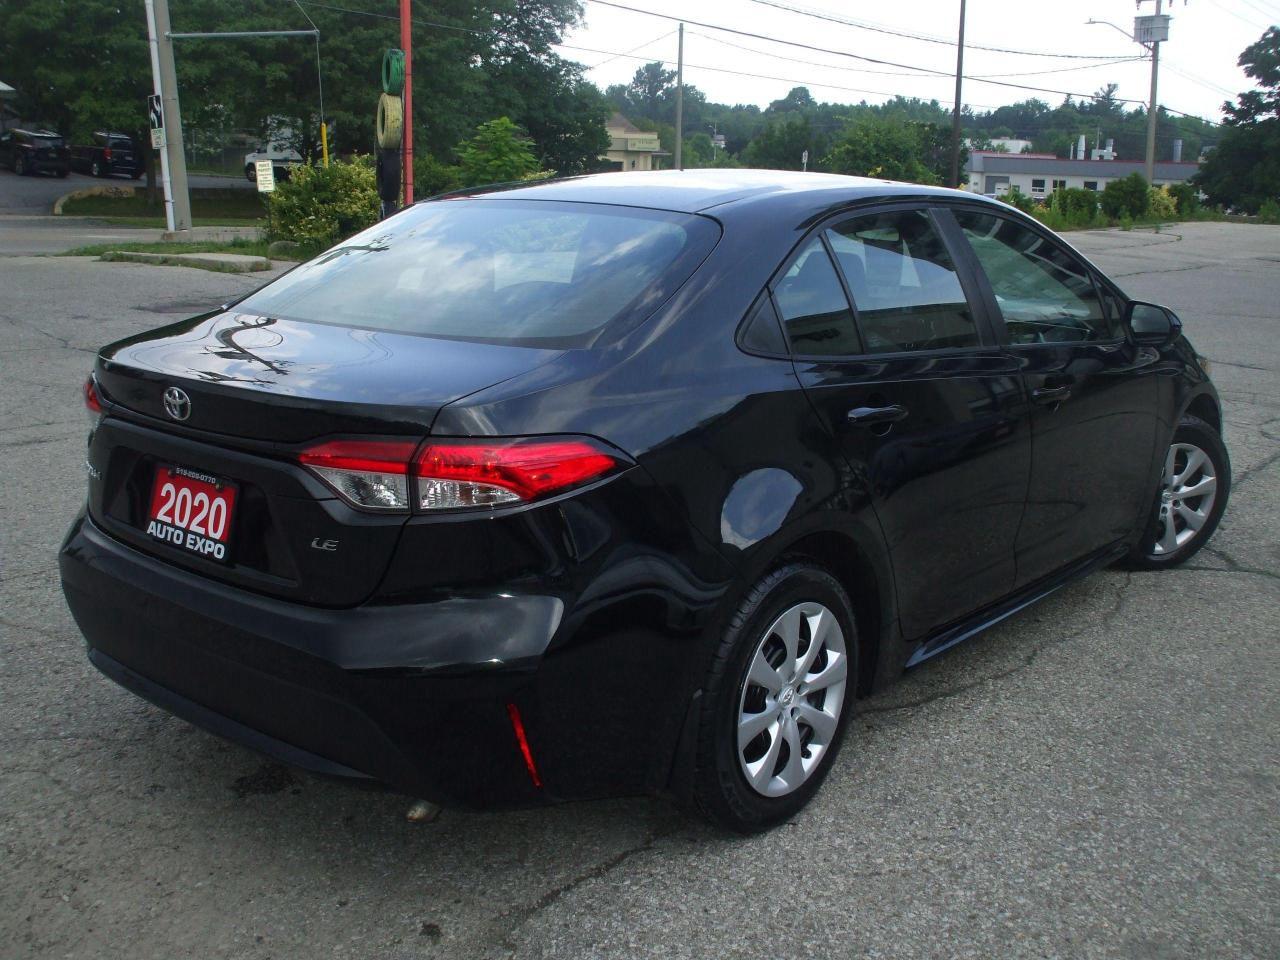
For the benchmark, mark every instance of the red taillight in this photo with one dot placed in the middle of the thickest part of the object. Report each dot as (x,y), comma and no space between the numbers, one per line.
(481,473)
(92,401)
(452,474)
(106,154)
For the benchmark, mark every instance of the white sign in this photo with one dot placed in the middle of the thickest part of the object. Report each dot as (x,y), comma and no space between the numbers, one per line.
(157,138)
(266,175)
(155,112)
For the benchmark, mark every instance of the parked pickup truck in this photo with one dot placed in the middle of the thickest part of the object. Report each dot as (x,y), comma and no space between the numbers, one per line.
(282,157)
(109,154)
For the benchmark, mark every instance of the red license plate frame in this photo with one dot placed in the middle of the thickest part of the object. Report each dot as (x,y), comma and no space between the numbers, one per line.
(192,511)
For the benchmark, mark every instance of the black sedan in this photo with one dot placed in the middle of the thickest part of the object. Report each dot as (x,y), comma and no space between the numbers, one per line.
(625,484)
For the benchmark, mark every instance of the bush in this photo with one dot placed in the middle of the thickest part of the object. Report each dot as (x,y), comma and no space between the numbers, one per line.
(1127,196)
(1073,207)
(1162,204)
(1016,198)
(1269,212)
(1186,197)
(498,153)
(432,176)
(318,206)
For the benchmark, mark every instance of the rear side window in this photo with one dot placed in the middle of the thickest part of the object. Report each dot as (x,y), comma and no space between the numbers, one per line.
(813,306)
(903,283)
(529,272)
(1045,294)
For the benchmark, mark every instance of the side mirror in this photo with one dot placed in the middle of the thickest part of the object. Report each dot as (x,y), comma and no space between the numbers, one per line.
(1152,325)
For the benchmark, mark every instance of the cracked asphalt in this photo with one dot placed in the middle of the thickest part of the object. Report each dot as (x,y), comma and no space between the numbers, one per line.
(1096,777)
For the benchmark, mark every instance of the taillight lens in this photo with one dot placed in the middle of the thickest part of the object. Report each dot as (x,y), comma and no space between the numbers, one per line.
(452,474)
(92,400)
(106,154)
(373,474)
(487,473)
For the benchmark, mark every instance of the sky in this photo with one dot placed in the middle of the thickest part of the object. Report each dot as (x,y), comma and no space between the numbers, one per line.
(1198,63)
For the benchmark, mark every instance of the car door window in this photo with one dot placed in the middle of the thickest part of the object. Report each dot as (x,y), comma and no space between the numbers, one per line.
(814,309)
(1045,294)
(904,285)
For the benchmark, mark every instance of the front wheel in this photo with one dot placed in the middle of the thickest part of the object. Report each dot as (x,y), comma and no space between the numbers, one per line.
(1194,488)
(777,699)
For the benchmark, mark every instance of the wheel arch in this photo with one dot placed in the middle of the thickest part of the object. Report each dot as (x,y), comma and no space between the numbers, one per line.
(1205,407)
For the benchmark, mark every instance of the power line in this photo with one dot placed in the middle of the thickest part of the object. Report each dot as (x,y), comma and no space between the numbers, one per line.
(900,73)
(924,38)
(618,56)
(855,56)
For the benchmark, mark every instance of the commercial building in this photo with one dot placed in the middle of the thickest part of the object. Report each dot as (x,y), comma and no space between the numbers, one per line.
(631,148)
(1038,175)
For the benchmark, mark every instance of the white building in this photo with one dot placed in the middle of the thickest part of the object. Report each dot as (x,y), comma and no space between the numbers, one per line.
(1037,174)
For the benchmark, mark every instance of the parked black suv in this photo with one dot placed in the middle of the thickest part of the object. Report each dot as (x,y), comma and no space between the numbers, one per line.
(34,151)
(108,154)
(625,483)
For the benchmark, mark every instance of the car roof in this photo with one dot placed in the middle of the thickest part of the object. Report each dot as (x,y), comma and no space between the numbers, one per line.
(698,191)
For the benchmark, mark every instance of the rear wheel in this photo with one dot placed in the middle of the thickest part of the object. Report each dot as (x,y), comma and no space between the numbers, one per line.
(95,168)
(250,173)
(1193,494)
(777,700)
(20,166)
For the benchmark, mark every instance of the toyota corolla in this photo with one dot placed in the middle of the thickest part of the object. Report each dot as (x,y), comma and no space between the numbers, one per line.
(625,484)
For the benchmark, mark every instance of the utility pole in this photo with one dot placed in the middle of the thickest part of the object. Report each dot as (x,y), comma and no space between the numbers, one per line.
(406,144)
(173,163)
(955,115)
(1153,108)
(680,101)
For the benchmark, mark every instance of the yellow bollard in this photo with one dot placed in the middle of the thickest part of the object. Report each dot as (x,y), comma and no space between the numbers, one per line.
(324,143)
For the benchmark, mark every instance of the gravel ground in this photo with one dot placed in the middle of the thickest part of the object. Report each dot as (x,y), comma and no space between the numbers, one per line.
(1097,777)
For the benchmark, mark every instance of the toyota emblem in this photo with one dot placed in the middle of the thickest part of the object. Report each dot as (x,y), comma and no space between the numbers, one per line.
(176,403)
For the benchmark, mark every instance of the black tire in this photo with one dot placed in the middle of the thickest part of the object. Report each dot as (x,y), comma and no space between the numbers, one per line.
(250,173)
(95,169)
(135,175)
(1145,554)
(62,173)
(721,792)
(20,166)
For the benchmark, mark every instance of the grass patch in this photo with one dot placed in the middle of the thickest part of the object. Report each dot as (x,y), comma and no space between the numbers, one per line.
(255,248)
(216,205)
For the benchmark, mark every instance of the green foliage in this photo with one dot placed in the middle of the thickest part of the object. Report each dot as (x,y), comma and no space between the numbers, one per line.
(781,145)
(1243,172)
(874,146)
(1269,212)
(1185,198)
(1016,198)
(1070,209)
(1162,204)
(430,176)
(496,154)
(1127,196)
(318,206)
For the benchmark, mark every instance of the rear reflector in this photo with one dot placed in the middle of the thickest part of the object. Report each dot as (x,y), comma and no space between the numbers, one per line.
(452,474)
(517,727)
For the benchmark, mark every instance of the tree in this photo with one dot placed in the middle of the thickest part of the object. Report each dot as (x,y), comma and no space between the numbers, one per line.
(781,145)
(1244,170)
(1126,197)
(873,146)
(496,154)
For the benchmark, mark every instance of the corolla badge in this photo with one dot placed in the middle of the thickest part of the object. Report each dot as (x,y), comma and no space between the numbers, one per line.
(176,403)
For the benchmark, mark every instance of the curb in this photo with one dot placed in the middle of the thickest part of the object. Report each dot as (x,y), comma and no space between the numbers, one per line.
(217,262)
(103,191)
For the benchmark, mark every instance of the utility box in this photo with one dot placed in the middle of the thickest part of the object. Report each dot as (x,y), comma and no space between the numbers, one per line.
(1151,29)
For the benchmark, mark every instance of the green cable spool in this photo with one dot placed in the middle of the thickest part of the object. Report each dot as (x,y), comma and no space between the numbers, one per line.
(393,72)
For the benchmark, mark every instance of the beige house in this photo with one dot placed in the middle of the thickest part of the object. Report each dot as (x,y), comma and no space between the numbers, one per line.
(631,148)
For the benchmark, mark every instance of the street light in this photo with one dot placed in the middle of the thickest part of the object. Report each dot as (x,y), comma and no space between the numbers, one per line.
(1157,28)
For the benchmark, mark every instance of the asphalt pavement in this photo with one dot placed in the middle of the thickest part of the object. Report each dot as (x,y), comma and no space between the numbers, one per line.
(1096,777)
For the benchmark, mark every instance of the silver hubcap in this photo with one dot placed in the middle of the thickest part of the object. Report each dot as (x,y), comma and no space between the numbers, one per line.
(1186,498)
(791,698)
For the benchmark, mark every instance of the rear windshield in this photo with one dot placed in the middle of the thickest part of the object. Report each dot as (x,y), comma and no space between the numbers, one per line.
(530,272)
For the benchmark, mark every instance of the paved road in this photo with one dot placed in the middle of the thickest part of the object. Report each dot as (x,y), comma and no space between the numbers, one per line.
(1098,777)
(34,196)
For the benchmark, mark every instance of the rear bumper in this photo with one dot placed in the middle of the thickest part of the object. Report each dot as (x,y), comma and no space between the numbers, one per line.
(413,695)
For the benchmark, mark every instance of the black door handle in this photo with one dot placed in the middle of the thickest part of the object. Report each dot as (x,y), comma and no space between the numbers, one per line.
(872,415)
(1048,395)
